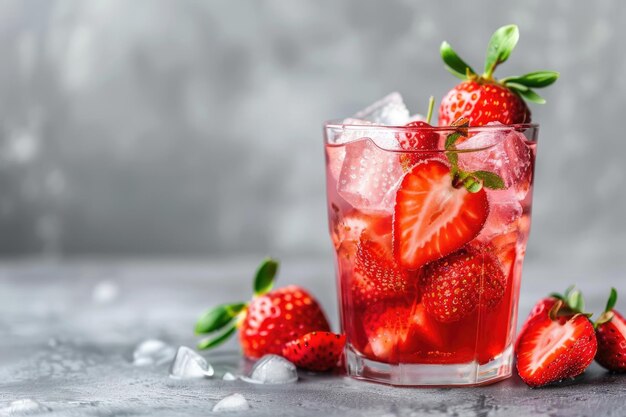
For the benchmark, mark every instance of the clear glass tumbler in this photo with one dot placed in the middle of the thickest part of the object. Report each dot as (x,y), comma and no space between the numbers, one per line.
(429,245)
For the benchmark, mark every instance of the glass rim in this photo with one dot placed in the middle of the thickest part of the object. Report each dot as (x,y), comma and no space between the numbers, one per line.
(370,132)
(338,124)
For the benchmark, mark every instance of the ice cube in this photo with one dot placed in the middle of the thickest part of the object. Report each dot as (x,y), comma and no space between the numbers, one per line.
(153,352)
(105,292)
(384,138)
(234,402)
(273,369)
(24,407)
(229,377)
(369,177)
(504,211)
(390,110)
(188,364)
(505,154)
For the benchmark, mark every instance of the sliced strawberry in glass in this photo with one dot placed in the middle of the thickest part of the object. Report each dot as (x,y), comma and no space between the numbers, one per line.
(432,218)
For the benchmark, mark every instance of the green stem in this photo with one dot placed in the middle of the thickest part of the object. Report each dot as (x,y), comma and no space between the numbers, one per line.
(431,106)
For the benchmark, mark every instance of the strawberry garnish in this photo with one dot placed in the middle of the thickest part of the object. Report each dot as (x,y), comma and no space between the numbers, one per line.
(483,98)
(268,321)
(611,334)
(455,286)
(434,215)
(572,302)
(555,347)
(377,276)
(315,351)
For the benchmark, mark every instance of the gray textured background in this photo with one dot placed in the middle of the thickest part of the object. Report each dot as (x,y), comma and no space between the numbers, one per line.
(194,128)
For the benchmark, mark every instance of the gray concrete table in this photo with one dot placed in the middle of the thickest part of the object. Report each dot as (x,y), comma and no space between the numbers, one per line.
(70,348)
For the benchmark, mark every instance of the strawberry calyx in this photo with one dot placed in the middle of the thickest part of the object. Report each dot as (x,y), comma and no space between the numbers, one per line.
(501,44)
(223,320)
(472,181)
(608,314)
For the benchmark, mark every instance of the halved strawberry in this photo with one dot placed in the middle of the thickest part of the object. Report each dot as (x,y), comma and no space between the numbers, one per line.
(315,351)
(554,348)
(611,334)
(455,286)
(572,302)
(432,218)
(377,276)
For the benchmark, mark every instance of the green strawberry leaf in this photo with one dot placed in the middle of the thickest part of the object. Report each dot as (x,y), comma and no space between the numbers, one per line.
(530,95)
(501,45)
(451,139)
(264,280)
(576,301)
(453,157)
(612,300)
(218,317)
(490,180)
(454,63)
(519,88)
(537,79)
(209,342)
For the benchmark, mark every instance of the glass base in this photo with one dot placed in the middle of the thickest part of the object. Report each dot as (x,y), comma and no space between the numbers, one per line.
(410,374)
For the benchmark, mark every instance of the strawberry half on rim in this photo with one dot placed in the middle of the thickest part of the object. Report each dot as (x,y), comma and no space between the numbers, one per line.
(432,218)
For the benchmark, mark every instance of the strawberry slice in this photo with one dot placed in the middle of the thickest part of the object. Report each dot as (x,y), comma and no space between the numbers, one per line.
(377,276)
(315,351)
(432,218)
(398,330)
(553,349)
(386,326)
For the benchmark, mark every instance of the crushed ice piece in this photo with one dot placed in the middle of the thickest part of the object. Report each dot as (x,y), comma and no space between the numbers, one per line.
(369,177)
(229,377)
(153,352)
(188,364)
(105,292)
(390,110)
(233,402)
(24,407)
(505,154)
(273,369)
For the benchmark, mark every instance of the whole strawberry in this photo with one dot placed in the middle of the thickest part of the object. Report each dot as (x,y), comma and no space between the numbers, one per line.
(268,321)
(454,286)
(611,334)
(482,98)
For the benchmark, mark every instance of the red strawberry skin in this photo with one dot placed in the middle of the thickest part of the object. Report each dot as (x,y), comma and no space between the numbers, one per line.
(425,139)
(278,317)
(453,287)
(612,343)
(377,276)
(433,219)
(482,103)
(315,351)
(553,350)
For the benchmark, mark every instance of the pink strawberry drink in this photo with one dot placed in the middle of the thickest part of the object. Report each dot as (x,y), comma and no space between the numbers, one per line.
(429,227)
